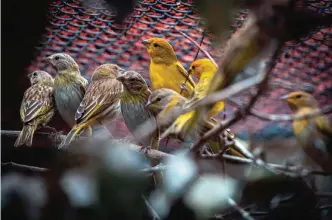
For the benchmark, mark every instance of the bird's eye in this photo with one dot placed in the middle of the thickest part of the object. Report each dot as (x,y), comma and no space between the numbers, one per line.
(193,67)
(298,96)
(156,45)
(34,74)
(158,99)
(57,58)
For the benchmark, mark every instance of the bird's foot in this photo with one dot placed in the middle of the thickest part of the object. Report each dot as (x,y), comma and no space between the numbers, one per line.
(145,150)
(50,128)
(183,87)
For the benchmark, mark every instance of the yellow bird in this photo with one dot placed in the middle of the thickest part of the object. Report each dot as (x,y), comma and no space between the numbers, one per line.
(204,70)
(165,69)
(166,105)
(314,134)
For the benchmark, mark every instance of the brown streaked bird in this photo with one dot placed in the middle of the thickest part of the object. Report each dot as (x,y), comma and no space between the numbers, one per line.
(101,102)
(133,100)
(139,119)
(37,107)
(166,72)
(314,134)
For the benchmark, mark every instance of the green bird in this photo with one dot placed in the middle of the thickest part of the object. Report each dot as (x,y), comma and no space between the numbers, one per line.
(133,100)
(69,86)
(37,107)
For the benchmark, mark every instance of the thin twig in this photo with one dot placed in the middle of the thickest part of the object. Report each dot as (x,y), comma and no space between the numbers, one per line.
(24,167)
(151,210)
(324,194)
(197,45)
(243,212)
(54,137)
(308,87)
(285,117)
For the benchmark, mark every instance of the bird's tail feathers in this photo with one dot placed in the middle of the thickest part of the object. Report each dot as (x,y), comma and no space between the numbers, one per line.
(71,135)
(26,135)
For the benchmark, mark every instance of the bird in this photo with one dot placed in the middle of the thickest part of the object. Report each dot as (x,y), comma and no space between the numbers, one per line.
(101,102)
(314,134)
(165,69)
(37,107)
(167,106)
(204,70)
(133,100)
(138,119)
(69,86)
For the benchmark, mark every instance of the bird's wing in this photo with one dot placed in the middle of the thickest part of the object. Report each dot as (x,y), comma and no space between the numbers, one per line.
(99,96)
(199,92)
(184,73)
(80,86)
(37,101)
(324,125)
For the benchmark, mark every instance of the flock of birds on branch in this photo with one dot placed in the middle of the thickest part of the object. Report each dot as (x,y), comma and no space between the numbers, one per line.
(152,113)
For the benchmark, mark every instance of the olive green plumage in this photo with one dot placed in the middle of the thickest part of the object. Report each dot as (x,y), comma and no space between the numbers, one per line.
(133,100)
(37,106)
(100,104)
(69,86)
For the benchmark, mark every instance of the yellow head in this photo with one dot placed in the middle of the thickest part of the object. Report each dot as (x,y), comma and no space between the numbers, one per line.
(106,71)
(300,99)
(200,66)
(40,76)
(160,50)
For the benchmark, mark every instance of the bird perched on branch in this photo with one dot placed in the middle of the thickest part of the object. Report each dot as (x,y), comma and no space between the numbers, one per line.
(204,70)
(37,106)
(315,133)
(101,102)
(69,86)
(167,105)
(139,119)
(165,69)
(133,100)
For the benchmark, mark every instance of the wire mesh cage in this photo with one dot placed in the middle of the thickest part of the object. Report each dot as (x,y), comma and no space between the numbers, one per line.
(89,33)
(108,179)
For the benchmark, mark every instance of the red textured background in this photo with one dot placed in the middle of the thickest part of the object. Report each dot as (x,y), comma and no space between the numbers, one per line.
(90,35)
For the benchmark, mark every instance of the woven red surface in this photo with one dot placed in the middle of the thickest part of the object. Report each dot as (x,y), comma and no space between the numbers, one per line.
(92,37)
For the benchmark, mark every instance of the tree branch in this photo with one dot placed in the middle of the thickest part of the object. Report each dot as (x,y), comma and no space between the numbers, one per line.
(24,167)
(284,117)
(197,45)
(238,115)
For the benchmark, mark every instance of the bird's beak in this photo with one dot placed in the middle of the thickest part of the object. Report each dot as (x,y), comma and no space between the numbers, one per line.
(119,76)
(146,42)
(284,98)
(49,58)
(148,104)
(122,70)
(189,71)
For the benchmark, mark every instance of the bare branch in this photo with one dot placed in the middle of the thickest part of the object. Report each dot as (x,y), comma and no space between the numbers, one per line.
(308,87)
(243,212)
(24,167)
(54,137)
(285,117)
(239,114)
(197,45)
(151,210)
